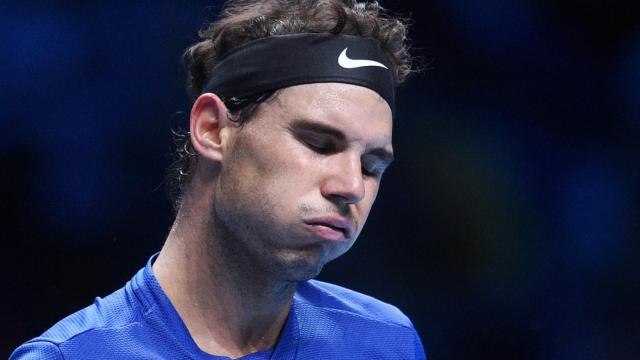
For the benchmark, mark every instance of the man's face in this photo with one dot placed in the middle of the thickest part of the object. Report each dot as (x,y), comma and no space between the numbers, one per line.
(298,180)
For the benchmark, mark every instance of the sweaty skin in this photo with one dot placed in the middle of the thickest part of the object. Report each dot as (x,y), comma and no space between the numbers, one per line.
(269,205)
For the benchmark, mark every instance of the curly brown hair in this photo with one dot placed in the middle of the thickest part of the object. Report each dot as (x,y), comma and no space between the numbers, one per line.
(241,21)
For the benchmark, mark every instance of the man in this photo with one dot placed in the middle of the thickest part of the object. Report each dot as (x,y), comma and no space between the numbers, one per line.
(290,132)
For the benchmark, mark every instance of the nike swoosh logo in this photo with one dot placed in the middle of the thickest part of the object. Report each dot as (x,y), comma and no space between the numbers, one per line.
(345,62)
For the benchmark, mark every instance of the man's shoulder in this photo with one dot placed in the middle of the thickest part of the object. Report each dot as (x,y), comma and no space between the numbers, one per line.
(334,321)
(116,310)
(106,317)
(335,298)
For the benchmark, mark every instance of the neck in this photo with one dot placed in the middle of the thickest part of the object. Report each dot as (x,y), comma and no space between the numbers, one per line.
(229,307)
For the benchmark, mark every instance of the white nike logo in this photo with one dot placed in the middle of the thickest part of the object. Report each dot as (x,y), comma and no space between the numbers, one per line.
(345,62)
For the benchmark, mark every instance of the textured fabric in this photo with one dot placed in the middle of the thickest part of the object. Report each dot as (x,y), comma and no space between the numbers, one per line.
(139,322)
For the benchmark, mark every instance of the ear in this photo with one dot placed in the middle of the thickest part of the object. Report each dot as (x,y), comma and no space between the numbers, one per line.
(208,126)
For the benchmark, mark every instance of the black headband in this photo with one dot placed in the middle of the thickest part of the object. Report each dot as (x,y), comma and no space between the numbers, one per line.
(280,61)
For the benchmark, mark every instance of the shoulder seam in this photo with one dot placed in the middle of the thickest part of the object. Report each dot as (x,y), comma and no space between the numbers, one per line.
(355,314)
(56,345)
(407,326)
(95,328)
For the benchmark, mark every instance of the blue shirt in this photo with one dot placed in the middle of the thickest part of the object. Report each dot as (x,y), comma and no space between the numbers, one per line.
(139,322)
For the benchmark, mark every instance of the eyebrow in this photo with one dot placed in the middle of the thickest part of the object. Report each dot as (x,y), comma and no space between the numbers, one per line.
(309,126)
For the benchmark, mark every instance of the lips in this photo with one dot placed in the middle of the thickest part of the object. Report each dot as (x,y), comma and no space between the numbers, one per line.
(330,226)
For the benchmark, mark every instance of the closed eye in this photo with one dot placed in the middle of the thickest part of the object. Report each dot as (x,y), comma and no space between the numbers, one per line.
(326,140)
(372,166)
(321,146)
(317,137)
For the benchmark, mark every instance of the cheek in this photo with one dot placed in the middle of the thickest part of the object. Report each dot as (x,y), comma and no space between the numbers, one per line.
(252,159)
(265,170)
(278,159)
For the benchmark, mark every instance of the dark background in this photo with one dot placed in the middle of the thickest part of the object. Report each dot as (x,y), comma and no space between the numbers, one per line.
(507,228)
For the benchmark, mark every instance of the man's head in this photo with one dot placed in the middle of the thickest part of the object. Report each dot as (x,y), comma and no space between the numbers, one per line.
(293,171)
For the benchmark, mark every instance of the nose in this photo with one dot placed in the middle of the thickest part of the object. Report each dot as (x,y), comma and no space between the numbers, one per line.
(344,180)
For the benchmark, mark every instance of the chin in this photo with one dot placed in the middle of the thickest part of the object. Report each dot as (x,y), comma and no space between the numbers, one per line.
(299,267)
(299,275)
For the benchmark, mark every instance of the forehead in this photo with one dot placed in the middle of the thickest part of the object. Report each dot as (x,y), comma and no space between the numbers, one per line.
(360,113)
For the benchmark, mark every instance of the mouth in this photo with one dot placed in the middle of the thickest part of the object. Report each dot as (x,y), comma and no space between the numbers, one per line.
(332,228)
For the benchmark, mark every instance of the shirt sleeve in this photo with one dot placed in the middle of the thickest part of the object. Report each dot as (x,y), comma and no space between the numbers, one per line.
(40,350)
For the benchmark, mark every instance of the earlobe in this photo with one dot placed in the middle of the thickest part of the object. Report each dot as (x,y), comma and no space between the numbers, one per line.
(208,124)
